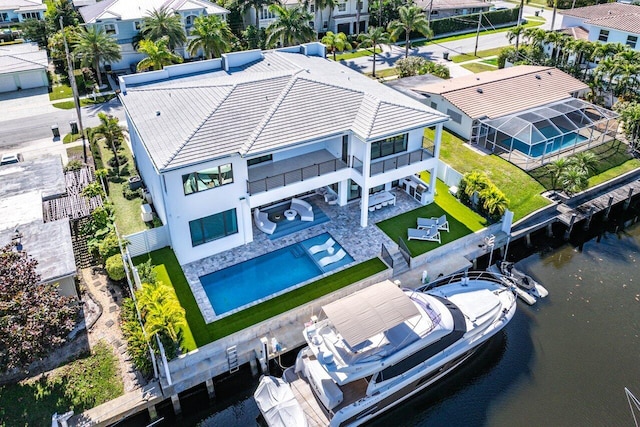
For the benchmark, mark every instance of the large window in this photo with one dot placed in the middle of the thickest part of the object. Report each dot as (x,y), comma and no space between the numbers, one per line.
(261,159)
(30,15)
(207,178)
(604,35)
(632,41)
(213,227)
(342,7)
(4,17)
(389,146)
(110,29)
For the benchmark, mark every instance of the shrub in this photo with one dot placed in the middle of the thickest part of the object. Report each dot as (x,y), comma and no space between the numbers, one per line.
(122,160)
(130,194)
(74,165)
(438,70)
(115,268)
(95,152)
(409,66)
(146,272)
(92,190)
(108,246)
(137,347)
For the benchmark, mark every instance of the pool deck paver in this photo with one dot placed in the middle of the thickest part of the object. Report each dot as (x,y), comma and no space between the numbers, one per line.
(344,225)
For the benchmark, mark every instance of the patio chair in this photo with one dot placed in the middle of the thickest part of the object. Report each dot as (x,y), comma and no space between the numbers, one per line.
(440,223)
(304,209)
(262,222)
(323,247)
(429,234)
(332,258)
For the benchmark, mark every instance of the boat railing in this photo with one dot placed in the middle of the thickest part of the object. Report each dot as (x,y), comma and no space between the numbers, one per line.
(470,275)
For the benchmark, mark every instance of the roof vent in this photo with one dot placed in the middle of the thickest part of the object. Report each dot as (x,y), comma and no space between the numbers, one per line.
(157,112)
(538,77)
(549,72)
(479,90)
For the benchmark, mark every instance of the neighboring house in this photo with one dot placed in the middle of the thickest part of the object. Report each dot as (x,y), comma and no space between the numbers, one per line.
(25,186)
(349,16)
(606,23)
(14,11)
(123,20)
(22,66)
(446,8)
(529,111)
(215,140)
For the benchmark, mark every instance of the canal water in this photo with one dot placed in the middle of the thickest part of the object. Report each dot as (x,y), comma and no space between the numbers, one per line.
(562,362)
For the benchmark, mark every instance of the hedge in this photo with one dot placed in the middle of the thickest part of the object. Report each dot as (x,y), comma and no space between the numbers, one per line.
(466,22)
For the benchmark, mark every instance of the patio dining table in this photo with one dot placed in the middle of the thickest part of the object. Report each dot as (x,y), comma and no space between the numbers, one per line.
(382,198)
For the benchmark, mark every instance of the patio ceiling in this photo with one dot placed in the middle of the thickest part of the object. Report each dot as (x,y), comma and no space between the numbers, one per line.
(557,118)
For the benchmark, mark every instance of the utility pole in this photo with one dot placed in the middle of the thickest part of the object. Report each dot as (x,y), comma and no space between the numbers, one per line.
(74,89)
(475,51)
(429,13)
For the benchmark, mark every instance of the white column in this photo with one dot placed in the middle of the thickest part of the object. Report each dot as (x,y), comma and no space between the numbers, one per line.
(364,200)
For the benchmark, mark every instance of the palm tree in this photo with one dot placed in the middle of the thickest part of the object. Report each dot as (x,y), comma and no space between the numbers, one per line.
(603,51)
(608,67)
(630,117)
(336,42)
(573,180)
(585,161)
(291,27)
(245,6)
(627,84)
(472,184)
(113,134)
(494,202)
(212,35)
(555,38)
(158,54)
(411,19)
(163,23)
(322,5)
(515,33)
(160,309)
(94,46)
(535,36)
(375,37)
(556,168)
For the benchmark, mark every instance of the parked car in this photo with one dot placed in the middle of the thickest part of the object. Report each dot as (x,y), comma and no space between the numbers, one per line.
(10,158)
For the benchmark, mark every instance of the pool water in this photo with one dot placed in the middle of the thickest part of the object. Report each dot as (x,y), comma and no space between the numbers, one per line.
(267,275)
(553,145)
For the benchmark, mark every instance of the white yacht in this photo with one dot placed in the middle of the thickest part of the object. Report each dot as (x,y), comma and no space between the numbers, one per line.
(383,344)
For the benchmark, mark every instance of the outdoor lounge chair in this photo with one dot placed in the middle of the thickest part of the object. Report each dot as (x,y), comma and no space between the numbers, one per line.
(262,222)
(303,208)
(323,247)
(429,234)
(332,258)
(440,223)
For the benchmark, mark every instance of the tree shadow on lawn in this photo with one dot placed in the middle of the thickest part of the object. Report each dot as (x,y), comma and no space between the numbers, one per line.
(396,228)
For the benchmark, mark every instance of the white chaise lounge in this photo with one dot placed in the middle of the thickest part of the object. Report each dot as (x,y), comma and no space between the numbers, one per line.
(430,234)
(440,223)
(332,258)
(323,247)
(262,222)
(303,208)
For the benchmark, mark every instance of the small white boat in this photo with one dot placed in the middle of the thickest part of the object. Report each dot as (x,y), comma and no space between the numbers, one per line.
(381,345)
(277,403)
(523,281)
(521,293)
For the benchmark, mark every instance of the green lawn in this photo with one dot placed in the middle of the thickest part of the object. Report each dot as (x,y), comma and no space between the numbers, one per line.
(387,72)
(78,386)
(613,160)
(523,192)
(70,137)
(127,212)
(471,219)
(68,105)
(60,91)
(202,333)
(480,54)
(490,61)
(396,227)
(354,54)
(473,34)
(477,67)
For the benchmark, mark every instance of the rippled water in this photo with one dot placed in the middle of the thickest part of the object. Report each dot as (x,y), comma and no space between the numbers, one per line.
(562,362)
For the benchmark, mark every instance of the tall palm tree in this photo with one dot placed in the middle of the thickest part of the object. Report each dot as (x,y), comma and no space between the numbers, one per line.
(585,161)
(630,117)
(291,27)
(604,50)
(158,54)
(514,34)
(535,35)
(555,39)
(556,168)
(113,134)
(336,42)
(412,19)
(94,46)
(212,35)
(607,68)
(245,6)
(627,85)
(324,4)
(573,180)
(164,23)
(375,37)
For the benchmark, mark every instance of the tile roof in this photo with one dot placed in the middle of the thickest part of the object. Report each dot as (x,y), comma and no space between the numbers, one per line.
(22,61)
(601,10)
(577,33)
(629,23)
(497,93)
(260,108)
(137,9)
(21,5)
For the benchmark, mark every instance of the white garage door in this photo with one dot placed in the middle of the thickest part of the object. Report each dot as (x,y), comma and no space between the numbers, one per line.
(31,80)
(7,84)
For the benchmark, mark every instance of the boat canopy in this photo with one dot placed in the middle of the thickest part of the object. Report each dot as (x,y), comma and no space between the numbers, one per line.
(370,311)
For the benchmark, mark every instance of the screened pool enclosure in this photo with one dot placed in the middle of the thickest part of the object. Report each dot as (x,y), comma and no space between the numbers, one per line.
(539,135)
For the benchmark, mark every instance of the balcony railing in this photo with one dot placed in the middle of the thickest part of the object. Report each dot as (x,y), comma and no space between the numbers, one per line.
(429,145)
(294,176)
(396,162)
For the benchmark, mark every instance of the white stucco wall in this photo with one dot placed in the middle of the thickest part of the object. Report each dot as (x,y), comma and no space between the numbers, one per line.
(615,36)
(463,128)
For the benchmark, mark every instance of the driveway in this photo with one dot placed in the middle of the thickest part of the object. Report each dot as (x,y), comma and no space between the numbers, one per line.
(23,103)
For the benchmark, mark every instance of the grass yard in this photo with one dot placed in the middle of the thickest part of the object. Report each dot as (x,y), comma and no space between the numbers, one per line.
(60,91)
(387,72)
(127,212)
(480,54)
(490,61)
(613,160)
(477,67)
(396,228)
(168,269)
(68,105)
(70,137)
(523,192)
(354,54)
(473,34)
(78,386)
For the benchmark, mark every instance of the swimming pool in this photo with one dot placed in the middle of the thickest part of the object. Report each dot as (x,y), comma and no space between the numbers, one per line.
(269,275)
(553,144)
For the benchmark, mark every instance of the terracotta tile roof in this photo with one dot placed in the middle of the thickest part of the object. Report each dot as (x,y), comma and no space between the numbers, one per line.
(601,10)
(494,94)
(577,33)
(629,23)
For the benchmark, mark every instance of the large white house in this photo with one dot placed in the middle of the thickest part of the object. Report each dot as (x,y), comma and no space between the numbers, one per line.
(606,22)
(123,20)
(349,16)
(214,140)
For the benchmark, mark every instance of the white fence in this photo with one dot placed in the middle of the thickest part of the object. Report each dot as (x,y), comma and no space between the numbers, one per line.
(148,240)
(448,175)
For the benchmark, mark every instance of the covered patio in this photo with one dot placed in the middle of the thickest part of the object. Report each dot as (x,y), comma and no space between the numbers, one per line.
(537,136)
